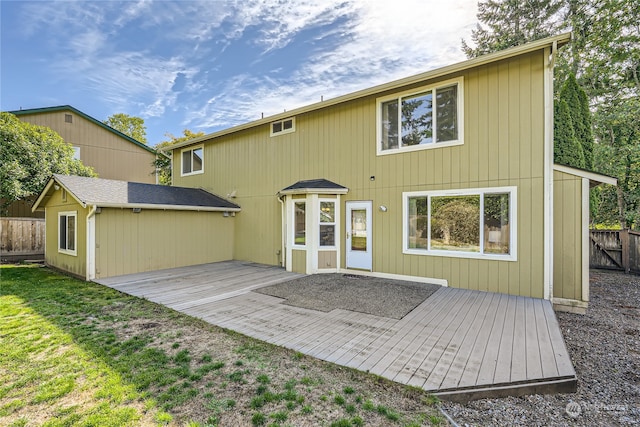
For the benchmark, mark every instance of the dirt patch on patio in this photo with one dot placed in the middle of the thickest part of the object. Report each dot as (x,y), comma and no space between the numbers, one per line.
(371,295)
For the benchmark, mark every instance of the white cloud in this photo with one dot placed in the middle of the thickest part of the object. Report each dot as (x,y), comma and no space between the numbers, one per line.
(380,42)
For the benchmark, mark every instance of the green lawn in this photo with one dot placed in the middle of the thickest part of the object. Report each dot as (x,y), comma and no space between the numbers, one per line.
(77,353)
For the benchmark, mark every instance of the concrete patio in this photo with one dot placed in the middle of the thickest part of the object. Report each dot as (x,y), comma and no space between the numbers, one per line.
(458,344)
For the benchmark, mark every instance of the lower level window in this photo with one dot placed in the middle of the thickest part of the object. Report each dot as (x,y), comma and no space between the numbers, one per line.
(67,232)
(469,223)
(299,223)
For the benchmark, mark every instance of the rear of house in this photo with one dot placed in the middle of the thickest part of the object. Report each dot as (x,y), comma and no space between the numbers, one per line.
(443,177)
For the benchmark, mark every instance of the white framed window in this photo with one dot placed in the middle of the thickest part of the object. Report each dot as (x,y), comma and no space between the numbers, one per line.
(300,224)
(192,160)
(76,153)
(283,126)
(327,223)
(68,232)
(423,118)
(471,223)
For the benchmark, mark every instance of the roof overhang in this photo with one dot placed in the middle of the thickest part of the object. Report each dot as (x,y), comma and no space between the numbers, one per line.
(594,178)
(45,196)
(313,191)
(557,41)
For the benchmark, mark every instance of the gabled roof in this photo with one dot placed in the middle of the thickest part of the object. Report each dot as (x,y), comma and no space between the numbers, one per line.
(122,194)
(593,177)
(554,41)
(315,186)
(85,116)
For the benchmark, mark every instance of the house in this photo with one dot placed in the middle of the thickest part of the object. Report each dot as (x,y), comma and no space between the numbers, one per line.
(112,154)
(101,227)
(444,177)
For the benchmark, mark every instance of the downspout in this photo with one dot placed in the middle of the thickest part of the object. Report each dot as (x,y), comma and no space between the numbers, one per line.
(549,60)
(283,252)
(90,248)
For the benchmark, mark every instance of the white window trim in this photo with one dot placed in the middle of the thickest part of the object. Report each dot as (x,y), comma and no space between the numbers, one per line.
(460,141)
(283,131)
(513,215)
(192,172)
(75,232)
(334,223)
(294,245)
(76,152)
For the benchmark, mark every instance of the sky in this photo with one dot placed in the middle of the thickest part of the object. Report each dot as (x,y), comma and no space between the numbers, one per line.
(211,65)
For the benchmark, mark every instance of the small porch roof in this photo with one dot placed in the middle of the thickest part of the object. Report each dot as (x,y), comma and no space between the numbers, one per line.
(594,178)
(314,186)
(109,193)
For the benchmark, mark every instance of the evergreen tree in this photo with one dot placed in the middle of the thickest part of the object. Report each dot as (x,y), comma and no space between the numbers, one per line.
(566,148)
(511,23)
(580,116)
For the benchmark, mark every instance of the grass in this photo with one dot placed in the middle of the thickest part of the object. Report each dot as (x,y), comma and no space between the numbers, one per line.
(77,353)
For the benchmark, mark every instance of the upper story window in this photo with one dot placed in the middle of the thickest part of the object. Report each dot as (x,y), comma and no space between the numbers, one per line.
(474,223)
(283,126)
(428,117)
(192,160)
(67,232)
(76,153)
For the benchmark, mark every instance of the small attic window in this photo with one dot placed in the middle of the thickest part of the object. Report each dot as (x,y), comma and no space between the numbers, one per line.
(283,126)
(68,118)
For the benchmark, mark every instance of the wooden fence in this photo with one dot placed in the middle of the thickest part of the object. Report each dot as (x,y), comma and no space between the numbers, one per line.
(615,250)
(21,238)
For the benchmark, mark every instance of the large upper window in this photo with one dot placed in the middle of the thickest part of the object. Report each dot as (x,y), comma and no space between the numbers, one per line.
(67,232)
(423,118)
(192,160)
(477,223)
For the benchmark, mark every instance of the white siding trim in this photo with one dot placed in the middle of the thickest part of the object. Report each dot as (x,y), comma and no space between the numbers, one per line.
(548,177)
(585,239)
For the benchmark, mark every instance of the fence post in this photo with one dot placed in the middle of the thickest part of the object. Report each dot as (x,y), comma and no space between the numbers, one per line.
(624,242)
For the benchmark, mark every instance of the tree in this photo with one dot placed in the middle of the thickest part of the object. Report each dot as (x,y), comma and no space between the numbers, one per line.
(511,23)
(579,119)
(129,125)
(162,162)
(566,147)
(30,155)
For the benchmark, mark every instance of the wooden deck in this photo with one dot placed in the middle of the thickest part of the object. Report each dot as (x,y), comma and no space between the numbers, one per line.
(459,344)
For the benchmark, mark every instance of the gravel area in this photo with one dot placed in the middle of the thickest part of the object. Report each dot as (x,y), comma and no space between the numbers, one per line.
(604,346)
(326,292)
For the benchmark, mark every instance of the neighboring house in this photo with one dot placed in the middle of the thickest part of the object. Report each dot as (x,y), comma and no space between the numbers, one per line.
(112,154)
(100,227)
(444,177)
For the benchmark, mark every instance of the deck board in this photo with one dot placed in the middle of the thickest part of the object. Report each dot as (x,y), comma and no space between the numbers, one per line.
(456,342)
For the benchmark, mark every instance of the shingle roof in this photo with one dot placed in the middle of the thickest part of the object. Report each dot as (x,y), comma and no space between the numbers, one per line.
(109,192)
(314,185)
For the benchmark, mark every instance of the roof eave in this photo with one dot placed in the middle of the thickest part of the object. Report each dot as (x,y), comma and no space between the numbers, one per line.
(164,207)
(313,191)
(559,40)
(593,177)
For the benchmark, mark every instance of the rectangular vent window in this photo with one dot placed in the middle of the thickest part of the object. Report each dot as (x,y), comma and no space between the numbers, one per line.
(283,126)
(68,118)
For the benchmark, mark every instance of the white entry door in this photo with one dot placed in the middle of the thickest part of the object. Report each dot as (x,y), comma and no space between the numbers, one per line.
(359,235)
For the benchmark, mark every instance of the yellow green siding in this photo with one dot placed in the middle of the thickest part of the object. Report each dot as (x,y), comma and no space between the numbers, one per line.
(111,156)
(128,242)
(503,146)
(73,264)
(299,261)
(567,242)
